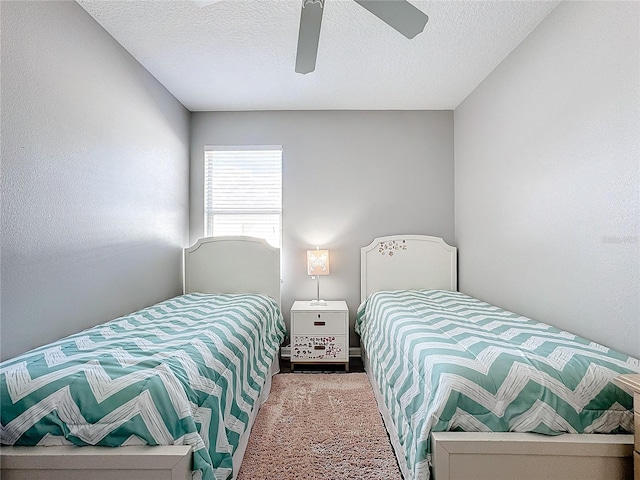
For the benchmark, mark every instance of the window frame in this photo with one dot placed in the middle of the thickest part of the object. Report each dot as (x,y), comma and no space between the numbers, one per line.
(240,211)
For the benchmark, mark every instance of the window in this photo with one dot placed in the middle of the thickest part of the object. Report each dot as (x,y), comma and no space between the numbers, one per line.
(243,192)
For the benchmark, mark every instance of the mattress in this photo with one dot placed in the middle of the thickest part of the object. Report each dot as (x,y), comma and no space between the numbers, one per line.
(444,361)
(186,371)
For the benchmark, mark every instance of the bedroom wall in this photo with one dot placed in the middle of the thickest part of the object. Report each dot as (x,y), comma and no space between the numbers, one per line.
(547,176)
(94,177)
(348,177)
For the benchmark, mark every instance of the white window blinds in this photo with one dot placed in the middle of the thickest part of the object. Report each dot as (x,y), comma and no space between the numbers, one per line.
(243,192)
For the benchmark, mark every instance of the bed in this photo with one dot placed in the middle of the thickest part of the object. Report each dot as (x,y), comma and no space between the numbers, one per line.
(175,386)
(469,391)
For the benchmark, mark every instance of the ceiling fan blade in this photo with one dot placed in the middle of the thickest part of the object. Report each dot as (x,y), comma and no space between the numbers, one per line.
(398,14)
(309,35)
(204,3)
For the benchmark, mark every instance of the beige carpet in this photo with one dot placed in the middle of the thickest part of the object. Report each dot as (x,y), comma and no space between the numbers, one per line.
(319,426)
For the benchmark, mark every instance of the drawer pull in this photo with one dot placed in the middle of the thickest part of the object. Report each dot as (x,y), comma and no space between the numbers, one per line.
(319,347)
(319,324)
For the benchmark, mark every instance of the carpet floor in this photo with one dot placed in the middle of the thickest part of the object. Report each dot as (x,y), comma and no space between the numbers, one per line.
(320,427)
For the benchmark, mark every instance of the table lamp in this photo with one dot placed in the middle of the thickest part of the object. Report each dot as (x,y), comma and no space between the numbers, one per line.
(317,264)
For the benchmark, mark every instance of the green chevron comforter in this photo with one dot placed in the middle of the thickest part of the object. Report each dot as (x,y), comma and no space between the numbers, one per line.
(187,371)
(445,361)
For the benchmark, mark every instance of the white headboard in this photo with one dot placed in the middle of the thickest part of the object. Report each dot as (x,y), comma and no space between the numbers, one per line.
(232,265)
(404,262)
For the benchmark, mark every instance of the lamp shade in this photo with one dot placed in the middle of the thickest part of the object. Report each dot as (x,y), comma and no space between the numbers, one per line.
(317,262)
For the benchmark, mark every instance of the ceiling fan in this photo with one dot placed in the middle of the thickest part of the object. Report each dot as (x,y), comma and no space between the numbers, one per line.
(398,14)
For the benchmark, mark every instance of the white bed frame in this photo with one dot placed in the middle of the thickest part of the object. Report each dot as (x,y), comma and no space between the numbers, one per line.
(232,265)
(212,265)
(400,262)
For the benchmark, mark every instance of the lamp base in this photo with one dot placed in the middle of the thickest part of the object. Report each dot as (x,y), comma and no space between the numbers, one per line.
(318,303)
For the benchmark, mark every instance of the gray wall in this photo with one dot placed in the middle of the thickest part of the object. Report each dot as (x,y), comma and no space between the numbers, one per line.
(347,177)
(94,177)
(547,176)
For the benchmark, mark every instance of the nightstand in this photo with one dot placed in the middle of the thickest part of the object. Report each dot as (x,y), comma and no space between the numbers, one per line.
(320,333)
(632,382)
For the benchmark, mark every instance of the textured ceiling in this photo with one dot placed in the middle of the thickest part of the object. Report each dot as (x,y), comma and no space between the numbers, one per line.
(240,54)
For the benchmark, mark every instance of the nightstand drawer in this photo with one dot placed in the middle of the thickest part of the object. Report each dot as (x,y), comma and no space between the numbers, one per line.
(319,348)
(320,323)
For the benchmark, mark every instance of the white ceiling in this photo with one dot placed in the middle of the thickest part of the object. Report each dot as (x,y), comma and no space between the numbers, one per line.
(240,54)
